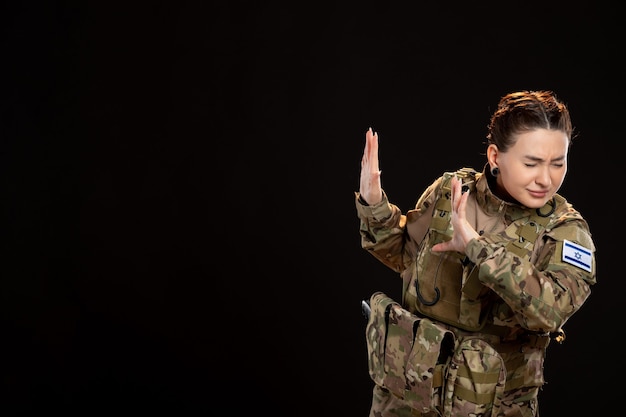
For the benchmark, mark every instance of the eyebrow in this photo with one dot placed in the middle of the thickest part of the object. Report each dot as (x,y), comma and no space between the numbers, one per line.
(537,159)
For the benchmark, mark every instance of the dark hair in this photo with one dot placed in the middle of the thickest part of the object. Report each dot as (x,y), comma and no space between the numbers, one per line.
(523,111)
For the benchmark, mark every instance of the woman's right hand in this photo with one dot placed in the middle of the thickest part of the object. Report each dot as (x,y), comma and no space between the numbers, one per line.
(370,187)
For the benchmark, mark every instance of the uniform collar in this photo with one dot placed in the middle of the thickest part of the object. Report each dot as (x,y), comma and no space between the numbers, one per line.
(493,205)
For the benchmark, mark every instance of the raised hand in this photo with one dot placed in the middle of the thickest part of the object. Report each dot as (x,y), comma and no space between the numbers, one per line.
(370,185)
(463,230)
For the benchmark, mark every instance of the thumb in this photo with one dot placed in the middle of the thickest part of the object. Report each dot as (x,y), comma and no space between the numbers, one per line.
(440,247)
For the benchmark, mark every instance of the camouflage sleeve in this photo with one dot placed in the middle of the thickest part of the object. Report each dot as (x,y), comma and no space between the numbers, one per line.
(545,293)
(382,228)
(390,236)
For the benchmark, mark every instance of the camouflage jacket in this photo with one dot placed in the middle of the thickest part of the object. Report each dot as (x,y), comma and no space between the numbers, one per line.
(536,293)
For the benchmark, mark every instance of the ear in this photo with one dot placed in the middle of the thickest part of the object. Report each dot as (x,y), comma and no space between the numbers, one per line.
(492,155)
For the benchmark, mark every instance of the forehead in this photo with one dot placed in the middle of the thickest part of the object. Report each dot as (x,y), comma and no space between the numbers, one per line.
(542,143)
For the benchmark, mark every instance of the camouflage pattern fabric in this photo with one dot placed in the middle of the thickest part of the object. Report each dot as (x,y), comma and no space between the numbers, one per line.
(501,299)
(405,353)
(475,380)
(517,403)
(422,368)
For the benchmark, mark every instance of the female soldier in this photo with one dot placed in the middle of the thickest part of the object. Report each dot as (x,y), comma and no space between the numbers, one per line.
(493,264)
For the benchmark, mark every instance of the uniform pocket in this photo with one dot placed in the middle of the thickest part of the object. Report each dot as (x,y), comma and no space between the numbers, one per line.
(427,365)
(475,381)
(407,355)
(398,345)
(376,335)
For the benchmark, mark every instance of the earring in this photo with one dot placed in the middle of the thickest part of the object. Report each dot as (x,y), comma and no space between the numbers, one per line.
(495,171)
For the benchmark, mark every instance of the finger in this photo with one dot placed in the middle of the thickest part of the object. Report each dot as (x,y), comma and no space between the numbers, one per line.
(374,152)
(369,142)
(366,151)
(454,192)
(463,203)
(459,194)
(440,247)
(367,138)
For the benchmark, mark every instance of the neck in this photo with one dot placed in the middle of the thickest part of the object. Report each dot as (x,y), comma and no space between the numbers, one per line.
(495,184)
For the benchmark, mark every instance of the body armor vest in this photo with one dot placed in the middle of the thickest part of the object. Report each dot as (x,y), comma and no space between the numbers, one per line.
(445,285)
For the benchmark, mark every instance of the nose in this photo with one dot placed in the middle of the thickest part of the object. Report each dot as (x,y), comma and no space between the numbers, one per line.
(543,177)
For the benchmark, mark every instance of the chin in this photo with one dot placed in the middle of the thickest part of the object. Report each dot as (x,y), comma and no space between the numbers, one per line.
(535,203)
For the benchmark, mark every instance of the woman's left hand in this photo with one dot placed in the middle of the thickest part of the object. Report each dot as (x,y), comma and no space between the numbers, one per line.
(463,231)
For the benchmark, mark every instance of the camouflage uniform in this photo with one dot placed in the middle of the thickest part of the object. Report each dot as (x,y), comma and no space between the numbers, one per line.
(501,331)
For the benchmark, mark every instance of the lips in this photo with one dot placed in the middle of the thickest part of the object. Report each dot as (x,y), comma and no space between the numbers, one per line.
(538,194)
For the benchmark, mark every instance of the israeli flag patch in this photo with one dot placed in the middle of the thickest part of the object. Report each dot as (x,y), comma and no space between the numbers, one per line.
(576,255)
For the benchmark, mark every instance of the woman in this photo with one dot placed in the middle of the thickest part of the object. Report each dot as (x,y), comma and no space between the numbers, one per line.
(493,265)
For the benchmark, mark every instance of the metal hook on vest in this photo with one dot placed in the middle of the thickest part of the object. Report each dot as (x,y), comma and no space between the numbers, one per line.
(422,299)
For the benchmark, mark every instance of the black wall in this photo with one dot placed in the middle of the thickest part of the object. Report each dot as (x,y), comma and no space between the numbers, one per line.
(177,190)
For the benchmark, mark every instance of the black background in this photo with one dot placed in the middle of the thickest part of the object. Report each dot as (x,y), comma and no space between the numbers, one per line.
(179,231)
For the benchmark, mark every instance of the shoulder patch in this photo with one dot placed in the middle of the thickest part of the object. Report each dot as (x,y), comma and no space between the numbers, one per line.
(576,255)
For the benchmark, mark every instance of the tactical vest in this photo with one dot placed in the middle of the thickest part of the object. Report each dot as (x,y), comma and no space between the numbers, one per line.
(445,285)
